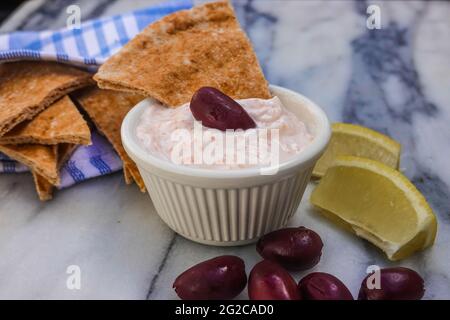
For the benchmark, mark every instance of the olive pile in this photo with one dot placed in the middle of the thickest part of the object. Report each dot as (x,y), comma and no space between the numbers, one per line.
(292,249)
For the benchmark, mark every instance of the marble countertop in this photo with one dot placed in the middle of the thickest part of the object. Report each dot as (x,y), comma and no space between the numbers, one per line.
(395,80)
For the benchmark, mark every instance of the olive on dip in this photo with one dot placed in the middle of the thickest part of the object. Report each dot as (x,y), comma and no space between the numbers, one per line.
(218,111)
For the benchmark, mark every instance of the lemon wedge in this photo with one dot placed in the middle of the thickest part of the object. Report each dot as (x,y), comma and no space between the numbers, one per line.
(354,140)
(377,203)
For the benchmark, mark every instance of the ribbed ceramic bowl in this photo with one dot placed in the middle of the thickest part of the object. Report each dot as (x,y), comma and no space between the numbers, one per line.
(229,207)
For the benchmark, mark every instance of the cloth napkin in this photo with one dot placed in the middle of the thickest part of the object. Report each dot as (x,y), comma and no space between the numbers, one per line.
(88,47)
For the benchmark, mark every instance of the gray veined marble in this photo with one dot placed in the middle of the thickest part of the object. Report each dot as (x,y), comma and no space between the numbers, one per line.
(395,80)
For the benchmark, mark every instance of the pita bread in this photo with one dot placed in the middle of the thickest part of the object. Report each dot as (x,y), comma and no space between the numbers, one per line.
(175,56)
(127,175)
(61,122)
(41,159)
(134,172)
(44,188)
(28,87)
(107,108)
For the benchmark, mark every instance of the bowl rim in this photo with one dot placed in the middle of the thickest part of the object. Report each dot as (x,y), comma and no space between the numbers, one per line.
(309,153)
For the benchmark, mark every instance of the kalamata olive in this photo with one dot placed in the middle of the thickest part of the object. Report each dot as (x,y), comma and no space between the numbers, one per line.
(215,279)
(323,286)
(269,281)
(294,248)
(217,110)
(394,284)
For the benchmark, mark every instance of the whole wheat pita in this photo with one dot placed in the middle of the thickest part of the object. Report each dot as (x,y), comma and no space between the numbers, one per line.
(28,87)
(61,122)
(175,56)
(107,109)
(44,188)
(134,172)
(127,175)
(41,159)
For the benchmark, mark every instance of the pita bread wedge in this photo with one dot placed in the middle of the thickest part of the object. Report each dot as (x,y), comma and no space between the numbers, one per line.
(127,175)
(107,108)
(134,172)
(131,173)
(41,159)
(175,56)
(28,87)
(64,151)
(44,188)
(61,122)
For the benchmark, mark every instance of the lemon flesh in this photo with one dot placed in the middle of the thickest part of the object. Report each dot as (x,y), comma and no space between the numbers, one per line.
(377,203)
(354,140)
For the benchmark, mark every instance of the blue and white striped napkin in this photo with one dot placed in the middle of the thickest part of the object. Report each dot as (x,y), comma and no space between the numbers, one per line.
(88,46)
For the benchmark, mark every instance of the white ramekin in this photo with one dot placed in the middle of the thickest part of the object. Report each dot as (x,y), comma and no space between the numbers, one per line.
(229,207)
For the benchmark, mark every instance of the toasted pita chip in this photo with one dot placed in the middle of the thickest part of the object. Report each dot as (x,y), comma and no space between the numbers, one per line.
(28,87)
(44,188)
(127,175)
(65,150)
(41,159)
(134,172)
(175,56)
(107,108)
(61,122)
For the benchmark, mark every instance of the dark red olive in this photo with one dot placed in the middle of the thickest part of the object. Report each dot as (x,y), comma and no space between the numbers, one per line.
(394,284)
(217,110)
(294,248)
(269,281)
(323,286)
(215,279)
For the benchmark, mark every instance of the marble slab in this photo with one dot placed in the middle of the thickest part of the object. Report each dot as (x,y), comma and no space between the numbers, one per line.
(395,80)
